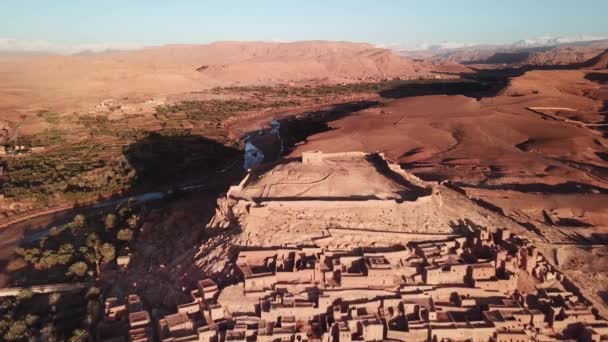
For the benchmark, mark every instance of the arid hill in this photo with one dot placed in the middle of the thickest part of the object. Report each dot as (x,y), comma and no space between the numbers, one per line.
(560,56)
(33,82)
(336,66)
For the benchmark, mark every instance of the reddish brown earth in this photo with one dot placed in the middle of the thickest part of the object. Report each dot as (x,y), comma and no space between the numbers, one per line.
(565,55)
(536,152)
(80,82)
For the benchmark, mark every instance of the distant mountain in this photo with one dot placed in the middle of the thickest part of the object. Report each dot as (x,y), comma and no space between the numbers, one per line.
(539,52)
(337,61)
(553,41)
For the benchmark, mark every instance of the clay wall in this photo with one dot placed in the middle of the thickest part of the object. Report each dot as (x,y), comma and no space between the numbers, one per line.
(301,276)
(414,335)
(506,286)
(260,282)
(373,332)
(452,274)
(353,281)
(317,157)
(482,271)
(370,216)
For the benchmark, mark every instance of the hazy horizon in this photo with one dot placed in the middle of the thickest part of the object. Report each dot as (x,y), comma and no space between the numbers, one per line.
(72,26)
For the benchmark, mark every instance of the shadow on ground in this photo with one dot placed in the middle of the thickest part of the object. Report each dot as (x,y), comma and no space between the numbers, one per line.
(159,160)
(150,166)
(466,87)
(542,188)
(598,77)
(296,129)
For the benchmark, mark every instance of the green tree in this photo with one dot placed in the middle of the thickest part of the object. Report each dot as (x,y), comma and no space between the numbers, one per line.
(108,252)
(110,221)
(125,234)
(17,331)
(79,335)
(79,269)
(30,255)
(24,294)
(98,253)
(30,319)
(79,221)
(65,253)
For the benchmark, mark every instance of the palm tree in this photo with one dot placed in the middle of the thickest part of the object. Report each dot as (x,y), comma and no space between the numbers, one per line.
(110,221)
(80,220)
(79,268)
(79,335)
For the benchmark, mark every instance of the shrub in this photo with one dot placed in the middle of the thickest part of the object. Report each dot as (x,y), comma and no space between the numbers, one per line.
(30,319)
(79,335)
(107,252)
(125,235)
(17,331)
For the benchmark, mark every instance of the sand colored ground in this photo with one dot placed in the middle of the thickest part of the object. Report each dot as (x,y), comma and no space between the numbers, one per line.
(80,82)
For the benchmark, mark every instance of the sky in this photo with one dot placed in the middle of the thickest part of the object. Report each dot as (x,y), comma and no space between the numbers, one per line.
(65,23)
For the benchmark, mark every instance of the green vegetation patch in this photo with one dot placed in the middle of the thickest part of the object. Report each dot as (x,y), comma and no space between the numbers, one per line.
(319,91)
(48,137)
(213,110)
(77,250)
(50,117)
(49,317)
(74,252)
(61,171)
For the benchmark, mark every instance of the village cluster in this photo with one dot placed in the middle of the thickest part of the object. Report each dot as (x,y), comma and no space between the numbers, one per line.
(465,288)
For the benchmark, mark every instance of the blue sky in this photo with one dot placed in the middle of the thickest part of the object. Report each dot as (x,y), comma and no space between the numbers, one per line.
(382,22)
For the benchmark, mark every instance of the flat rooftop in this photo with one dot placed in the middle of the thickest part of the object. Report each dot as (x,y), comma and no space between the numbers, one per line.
(345,176)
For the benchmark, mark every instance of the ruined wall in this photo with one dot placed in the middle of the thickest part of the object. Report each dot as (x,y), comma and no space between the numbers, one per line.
(375,215)
(317,157)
